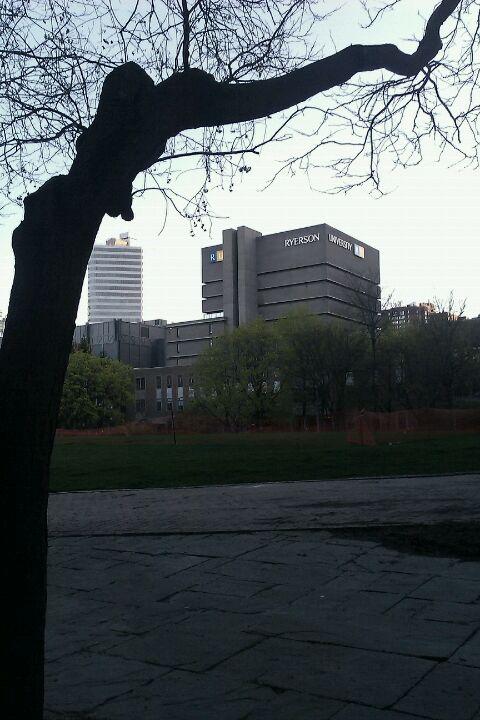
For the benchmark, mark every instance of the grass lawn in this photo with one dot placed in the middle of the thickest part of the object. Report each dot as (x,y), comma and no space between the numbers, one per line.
(136,461)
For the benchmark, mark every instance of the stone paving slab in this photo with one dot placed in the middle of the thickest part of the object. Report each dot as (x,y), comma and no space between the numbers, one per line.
(329,670)
(356,712)
(271,625)
(315,504)
(449,691)
(469,652)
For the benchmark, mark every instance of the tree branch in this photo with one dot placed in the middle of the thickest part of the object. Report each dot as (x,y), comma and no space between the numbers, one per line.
(201,101)
(135,118)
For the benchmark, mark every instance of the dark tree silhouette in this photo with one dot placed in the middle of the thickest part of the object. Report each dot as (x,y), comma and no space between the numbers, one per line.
(232,63)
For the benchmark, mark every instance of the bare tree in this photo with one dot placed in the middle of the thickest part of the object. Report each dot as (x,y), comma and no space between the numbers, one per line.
(175,76)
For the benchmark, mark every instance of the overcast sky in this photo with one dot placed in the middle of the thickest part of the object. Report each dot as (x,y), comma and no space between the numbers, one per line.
(426,228)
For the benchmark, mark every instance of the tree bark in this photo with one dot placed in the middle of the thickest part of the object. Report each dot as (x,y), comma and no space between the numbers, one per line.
(52,246)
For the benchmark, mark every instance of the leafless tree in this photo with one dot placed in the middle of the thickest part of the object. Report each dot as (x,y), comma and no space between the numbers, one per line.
(179,79)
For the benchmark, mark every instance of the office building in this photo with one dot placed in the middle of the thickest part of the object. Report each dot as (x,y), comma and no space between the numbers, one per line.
(139,344)
(319,269)
(115,273)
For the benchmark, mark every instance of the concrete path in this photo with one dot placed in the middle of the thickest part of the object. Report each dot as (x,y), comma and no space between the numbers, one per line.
(314,504)
(270,624)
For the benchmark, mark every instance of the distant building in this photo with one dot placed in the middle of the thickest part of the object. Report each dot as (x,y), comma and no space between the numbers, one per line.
(115,275)
(409,314)
(140,344)
(317,268)
(158,391)
(2,325)
(249,275)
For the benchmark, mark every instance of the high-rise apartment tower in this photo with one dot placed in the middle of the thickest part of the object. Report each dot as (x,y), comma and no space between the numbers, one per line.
(115,273)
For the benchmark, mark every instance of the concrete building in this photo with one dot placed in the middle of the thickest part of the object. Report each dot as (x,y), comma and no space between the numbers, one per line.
(318,268)
(139,344)
(158,391)
(115,275)
(186,340)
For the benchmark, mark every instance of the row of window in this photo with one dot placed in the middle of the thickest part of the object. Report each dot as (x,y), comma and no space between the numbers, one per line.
(133,300)
(140,382)
(115,256)
(132,287)
(179,348)
(161,407)
(178,328)
(97,275)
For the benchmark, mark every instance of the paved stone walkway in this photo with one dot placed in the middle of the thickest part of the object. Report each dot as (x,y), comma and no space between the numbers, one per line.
(261,625)
(314,504)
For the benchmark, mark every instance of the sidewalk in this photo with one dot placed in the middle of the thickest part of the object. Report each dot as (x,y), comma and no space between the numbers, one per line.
(312,504)
(265,623)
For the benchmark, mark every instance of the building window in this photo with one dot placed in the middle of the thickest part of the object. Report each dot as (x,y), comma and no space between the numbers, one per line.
(159,382)
(144,332)
(210,328)
(178,332)
(140,383)
(179,381)
(180,405)
(169,406)
(140,406)
(210,342)
(169,381)
(191,383)
(159,406)
(178,348)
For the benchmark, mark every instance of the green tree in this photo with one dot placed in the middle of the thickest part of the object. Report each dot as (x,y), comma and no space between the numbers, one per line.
(257,350)
(346,351)
(218,390)
(303,363)
(316,360)
(439,360)
(96,392)
(236,377)
(388,368)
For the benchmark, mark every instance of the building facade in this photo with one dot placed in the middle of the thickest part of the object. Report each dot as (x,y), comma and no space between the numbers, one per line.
(159,391)
(115,281)
(409,314)
(319,269)
(140,344)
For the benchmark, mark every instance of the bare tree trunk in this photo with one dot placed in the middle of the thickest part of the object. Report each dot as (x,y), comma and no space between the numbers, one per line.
(52,246)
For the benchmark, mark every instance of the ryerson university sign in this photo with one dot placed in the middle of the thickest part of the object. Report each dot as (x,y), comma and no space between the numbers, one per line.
(358,250)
